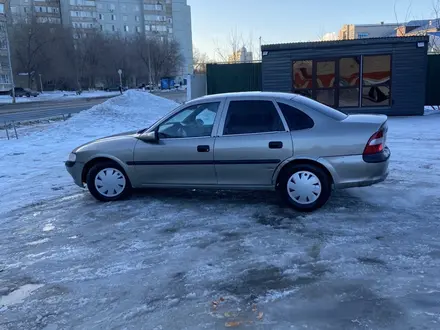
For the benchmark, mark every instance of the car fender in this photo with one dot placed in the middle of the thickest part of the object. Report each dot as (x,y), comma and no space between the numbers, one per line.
(124,166)
(319,160)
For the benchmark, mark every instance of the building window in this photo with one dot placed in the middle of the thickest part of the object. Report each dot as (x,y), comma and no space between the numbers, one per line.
(126,29)
(362,35)
(138,29)
(101,16)
(2,8)
(302,77)
(113,17)
(113,28)
(125,18)
(325,82)
(349,81)
(137,18)
(376,80)
(338,82)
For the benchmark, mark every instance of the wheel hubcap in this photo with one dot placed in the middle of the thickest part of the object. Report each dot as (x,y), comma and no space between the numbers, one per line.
(304,187)
(110,182)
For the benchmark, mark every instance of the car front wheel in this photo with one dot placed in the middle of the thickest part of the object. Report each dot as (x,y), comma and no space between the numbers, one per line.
(305,187)
(108,182)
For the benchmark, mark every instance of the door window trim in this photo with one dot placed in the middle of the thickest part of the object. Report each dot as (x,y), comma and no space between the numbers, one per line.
(222,123)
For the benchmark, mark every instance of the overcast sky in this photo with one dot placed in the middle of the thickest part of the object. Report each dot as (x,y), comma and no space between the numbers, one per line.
(292,20)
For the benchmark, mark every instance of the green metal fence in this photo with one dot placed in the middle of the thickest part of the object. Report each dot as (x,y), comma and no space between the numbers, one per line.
(433,81)
(240,77)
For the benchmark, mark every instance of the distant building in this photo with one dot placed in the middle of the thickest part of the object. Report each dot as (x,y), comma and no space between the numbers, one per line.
(360,31)
(429,27)
(5,71)
(241,56)
(163,19)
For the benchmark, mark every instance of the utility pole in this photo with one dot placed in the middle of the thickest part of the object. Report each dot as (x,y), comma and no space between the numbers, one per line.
(10,63)
(259,39)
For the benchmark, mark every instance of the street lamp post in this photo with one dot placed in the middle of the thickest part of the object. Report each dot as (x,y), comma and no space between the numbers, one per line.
(120,77)
(41,83)
(10,64)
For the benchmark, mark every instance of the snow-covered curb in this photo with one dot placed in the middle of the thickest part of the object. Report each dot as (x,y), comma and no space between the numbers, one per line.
(57,96)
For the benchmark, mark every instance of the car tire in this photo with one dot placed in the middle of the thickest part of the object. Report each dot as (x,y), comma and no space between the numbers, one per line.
(107,182)
(28,95)
(304,187)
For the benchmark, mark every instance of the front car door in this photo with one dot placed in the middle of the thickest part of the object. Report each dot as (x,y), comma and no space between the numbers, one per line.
(184,153)
(253,140)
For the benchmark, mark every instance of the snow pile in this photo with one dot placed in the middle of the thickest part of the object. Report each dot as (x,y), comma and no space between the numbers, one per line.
(430,110)
(32,168)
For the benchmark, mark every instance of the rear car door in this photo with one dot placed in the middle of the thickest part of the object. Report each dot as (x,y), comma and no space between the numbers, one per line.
(184,153)
(253,140)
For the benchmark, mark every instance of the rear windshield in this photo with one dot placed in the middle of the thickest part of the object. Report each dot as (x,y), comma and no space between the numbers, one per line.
(324,109)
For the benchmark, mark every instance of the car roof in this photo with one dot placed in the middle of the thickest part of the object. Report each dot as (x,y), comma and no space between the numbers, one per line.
(239,95)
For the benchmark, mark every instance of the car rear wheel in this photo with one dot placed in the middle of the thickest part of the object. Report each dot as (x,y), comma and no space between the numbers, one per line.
(108,182)
(305,187)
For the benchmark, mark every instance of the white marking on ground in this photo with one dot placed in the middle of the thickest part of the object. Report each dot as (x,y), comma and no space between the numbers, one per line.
(19,295)
(48,227)
(40,241)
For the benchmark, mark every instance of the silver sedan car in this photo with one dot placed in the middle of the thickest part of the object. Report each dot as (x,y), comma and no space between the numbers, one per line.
(254,140)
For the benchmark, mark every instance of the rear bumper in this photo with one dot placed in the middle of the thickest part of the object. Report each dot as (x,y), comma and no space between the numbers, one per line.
(75,170)
(355,171)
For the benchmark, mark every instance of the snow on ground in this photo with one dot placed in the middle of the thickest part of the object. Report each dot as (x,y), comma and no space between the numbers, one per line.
(370,259)
(57,96)
(37,161)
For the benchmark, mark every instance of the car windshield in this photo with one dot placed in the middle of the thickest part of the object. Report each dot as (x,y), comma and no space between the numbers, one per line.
(331,112)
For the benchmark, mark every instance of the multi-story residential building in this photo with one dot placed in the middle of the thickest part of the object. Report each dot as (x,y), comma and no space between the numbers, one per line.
(359,31)
(164,19)
(5,71)
(241,56)
(45,11)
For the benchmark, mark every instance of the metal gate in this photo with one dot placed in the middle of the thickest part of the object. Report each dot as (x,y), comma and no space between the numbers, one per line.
(433,81)
(240,77)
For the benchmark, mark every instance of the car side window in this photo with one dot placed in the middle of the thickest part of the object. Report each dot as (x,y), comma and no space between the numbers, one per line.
(295,118)
(253,116)
(194,121)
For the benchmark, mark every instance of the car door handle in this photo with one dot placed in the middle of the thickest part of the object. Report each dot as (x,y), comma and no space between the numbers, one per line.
(203,148)
(275,145)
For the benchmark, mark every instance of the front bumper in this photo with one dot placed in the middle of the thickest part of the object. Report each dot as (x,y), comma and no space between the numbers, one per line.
(75,169)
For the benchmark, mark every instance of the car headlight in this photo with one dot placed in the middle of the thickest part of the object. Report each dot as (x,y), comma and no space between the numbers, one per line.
(72,157)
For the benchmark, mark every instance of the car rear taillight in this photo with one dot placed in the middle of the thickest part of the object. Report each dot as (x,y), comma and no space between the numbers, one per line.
(375,143)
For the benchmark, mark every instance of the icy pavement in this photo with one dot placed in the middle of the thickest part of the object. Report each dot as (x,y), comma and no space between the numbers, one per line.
(370,259)
(57,95)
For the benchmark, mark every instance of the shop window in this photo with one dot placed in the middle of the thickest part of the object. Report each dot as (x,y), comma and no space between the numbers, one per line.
(376,80)
(302,75)
(338,82)
(349,81)
(325,82)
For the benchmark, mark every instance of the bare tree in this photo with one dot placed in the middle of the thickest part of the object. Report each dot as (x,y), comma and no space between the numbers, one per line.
(229,51)
(160,58)
(30,43)
(199,60)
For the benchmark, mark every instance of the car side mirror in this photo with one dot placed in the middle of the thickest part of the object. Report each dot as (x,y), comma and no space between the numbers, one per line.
(150,137)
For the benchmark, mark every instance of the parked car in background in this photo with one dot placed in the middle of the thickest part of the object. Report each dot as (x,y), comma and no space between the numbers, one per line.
(21,92)
(254,140)
(115,89)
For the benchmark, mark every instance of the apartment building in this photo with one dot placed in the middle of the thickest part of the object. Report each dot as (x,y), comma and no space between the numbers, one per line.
(360,31)
(164,19)
(5,72)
